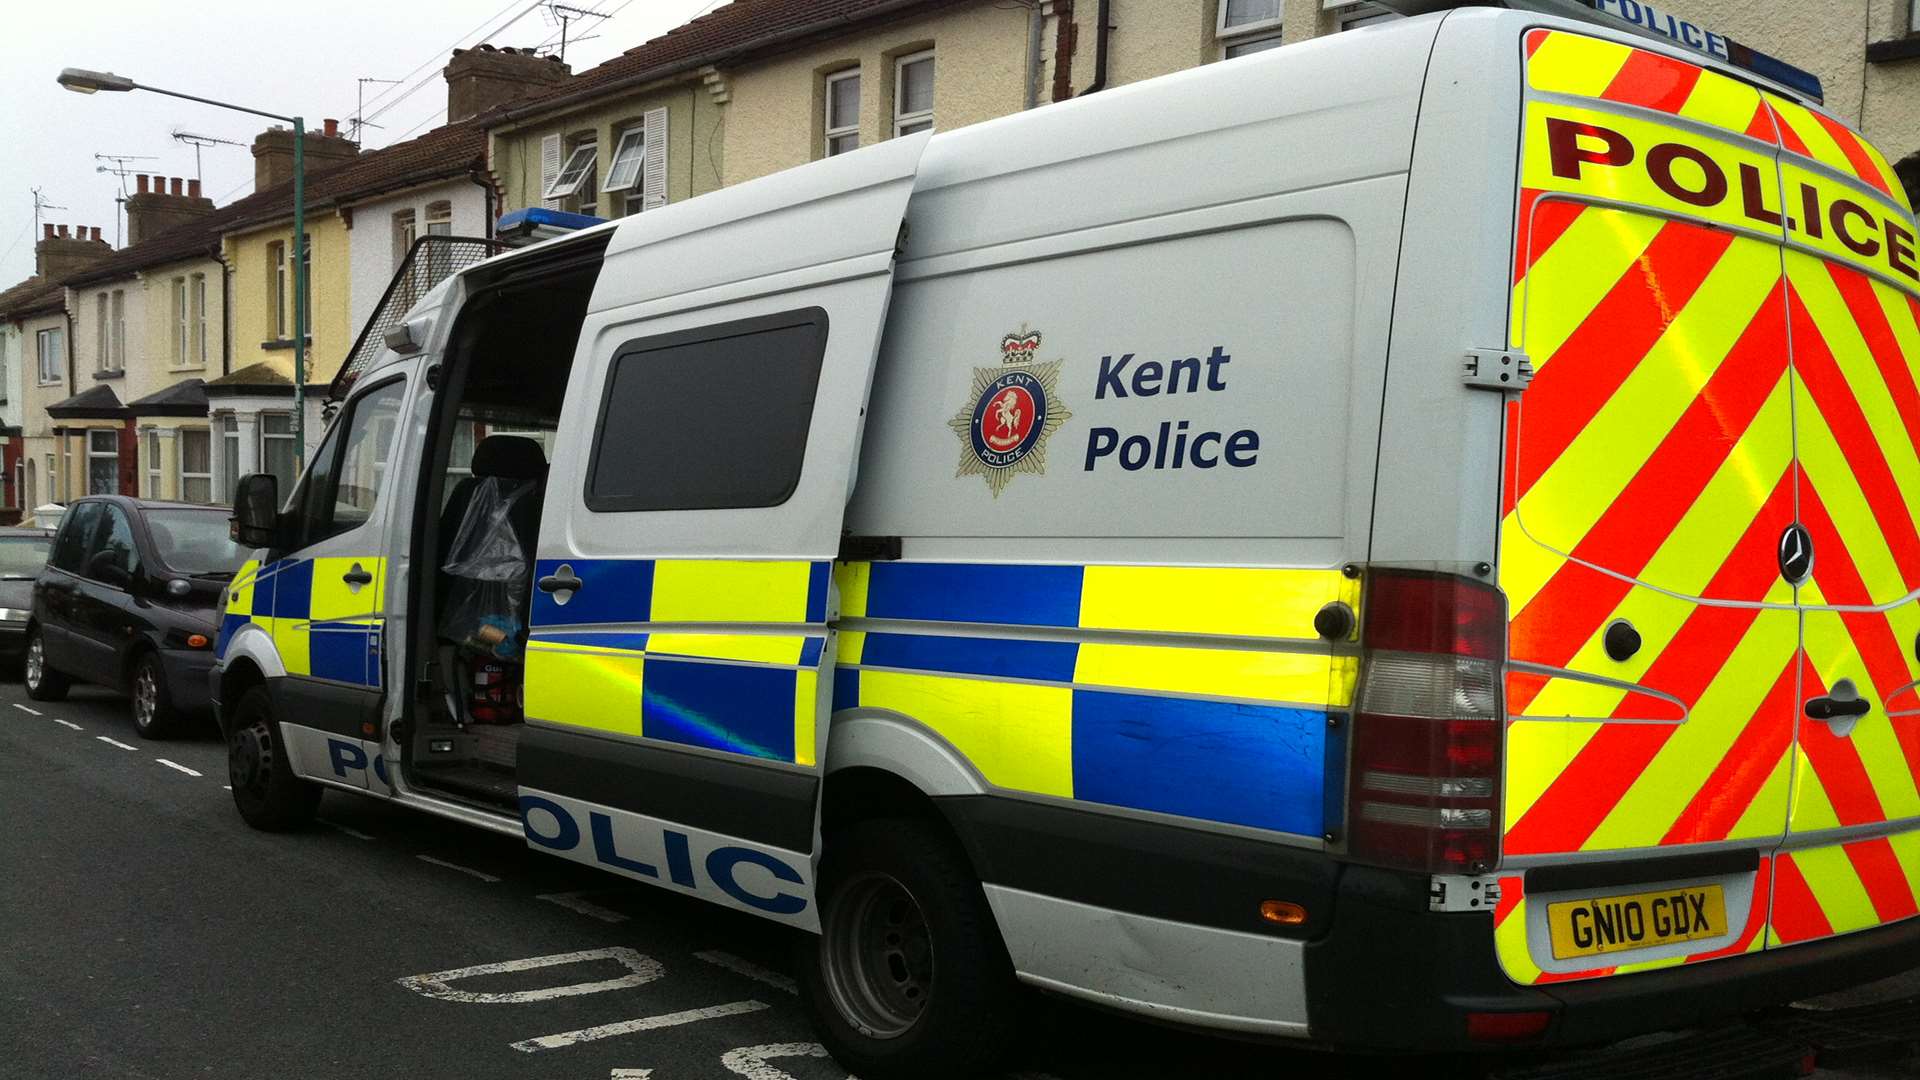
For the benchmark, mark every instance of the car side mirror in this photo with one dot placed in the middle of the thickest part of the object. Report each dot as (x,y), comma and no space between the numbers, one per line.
(256,511)
(105,566)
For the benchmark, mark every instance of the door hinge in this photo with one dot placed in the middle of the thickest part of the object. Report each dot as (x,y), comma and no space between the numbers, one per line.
(1458,892)
(1506,370)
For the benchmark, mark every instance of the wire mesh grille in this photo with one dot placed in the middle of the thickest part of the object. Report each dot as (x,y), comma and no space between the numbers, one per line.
(430,261)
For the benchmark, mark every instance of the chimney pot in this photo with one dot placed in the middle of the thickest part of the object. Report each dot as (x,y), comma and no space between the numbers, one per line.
(193,188)
(48,226)
(140,182)
(63,232)
(331,127)
(179,186)
(96,235)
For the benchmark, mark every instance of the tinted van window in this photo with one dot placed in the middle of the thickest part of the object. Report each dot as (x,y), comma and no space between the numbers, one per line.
(708,419)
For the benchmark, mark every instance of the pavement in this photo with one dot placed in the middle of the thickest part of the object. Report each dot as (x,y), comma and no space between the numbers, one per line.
(146,932)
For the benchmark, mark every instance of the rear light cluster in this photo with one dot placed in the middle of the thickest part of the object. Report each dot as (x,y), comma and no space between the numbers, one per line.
(1427,729)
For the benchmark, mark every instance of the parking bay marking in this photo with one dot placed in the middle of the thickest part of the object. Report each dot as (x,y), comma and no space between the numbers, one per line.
(637,1024)
(177,765)
(66,723)
(749,969)
(438,984)
(115,742)
(481,874)
(24,709)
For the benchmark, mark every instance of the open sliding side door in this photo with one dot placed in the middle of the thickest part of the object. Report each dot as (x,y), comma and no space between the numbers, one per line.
(680,662)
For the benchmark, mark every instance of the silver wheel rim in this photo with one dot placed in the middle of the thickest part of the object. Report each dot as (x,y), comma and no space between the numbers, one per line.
(36,663)
(877,954)
(146,697)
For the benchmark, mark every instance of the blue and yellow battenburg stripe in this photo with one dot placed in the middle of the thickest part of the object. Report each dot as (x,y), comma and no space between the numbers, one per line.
(1195,691)
(319,625)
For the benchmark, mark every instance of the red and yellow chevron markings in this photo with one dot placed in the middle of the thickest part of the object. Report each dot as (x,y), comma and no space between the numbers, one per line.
(1681,237)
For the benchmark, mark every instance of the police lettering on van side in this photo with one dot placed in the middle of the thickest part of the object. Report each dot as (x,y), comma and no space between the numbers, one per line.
(1172,445)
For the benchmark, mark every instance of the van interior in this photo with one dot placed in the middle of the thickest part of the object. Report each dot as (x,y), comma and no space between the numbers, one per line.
(501,383)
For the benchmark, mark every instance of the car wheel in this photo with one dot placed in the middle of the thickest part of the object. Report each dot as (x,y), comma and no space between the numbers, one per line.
(42,682)
(265,790)
(154,716)
(908,977)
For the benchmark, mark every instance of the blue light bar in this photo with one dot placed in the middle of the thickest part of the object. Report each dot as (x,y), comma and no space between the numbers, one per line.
(539,223)
(1690,35)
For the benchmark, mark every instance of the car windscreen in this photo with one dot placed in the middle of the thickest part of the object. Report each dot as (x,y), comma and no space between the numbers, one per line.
(194,541)
(23,556)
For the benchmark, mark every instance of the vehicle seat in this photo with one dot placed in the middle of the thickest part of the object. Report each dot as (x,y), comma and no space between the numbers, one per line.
(510,459)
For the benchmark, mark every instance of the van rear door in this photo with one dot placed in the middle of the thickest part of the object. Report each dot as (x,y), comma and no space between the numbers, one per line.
(680,661)
(1852,856)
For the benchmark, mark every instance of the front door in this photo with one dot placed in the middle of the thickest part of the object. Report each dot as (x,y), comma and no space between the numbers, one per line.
(327,616)
(680,662)
(1852,857)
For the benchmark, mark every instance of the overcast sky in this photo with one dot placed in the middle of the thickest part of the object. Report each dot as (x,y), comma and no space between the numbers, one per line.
(283,58)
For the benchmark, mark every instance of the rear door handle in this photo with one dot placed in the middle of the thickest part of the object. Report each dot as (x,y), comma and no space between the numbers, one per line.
(357,576)
(1826,708)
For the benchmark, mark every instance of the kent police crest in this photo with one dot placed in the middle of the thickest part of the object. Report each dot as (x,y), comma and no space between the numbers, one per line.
(1013,409)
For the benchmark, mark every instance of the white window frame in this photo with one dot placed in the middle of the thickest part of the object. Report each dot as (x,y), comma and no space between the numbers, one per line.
(1348,14)
(406,226)
(117,354)
(841,131)
(103,331)
(905,119)
(47,345)
(1913,17)
(229,427)
(199,302)
(277,277)
(580,162)
(182,336)
(153,463)
(1260,27)
(629,153)
(267,436)
(113,455)
(180,449)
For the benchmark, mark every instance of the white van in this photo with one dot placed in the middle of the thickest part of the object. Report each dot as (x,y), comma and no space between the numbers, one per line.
(1406,541)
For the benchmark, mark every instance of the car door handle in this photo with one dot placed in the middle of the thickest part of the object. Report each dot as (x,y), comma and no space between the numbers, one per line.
(357,576)
(561,580)
(1826,708)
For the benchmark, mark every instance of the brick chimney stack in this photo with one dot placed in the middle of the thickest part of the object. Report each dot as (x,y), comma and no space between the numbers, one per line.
(161,203)
(273,153)
(480,78)
(64,251)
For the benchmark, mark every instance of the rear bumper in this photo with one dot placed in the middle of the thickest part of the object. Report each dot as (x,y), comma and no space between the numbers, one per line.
(1392,976)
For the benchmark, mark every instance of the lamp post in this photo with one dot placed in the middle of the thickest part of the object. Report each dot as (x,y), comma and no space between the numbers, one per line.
(82,81)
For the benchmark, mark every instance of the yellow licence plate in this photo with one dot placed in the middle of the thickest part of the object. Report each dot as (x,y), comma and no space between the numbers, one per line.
(1607,924)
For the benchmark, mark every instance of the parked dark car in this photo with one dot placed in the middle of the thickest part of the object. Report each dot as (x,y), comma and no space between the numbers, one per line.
(23,552)
(130,599)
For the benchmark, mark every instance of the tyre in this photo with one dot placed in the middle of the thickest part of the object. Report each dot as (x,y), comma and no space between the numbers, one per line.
(42,682)
(908,977)
(154,715)
(265,790)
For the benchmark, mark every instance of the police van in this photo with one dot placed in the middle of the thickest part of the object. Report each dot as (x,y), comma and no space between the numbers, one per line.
(1407,541)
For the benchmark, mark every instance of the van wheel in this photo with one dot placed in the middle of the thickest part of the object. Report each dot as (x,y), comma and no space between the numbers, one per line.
(154,716)
(908,977)
(269,796)
(42,682)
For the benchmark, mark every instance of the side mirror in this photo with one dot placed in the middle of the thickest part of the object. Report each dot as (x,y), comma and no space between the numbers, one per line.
(105,566)
(256,511)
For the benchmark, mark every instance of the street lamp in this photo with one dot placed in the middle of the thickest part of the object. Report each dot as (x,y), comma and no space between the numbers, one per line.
(82,81)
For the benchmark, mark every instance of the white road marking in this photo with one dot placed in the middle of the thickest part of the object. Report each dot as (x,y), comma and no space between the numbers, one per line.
(572,902)
(356,833)
(751,1061)
(115,742)
(630,1074)
(177,765)
(24,709)
(66,723)
(640,970)
(748,968)
(226,787)
(628,1027)
(481,874)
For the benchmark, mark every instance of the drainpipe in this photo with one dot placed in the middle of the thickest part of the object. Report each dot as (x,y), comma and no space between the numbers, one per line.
(485,180)
(226,306)
(1034,27)
(1101,30)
